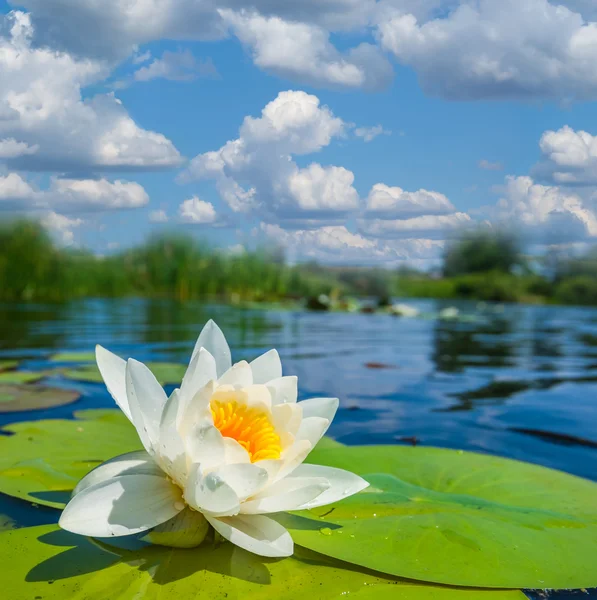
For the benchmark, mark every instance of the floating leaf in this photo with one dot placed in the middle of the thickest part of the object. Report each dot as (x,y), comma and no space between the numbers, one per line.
(458,518)
(21,376)
(165,373)
(16,398)
(78,567)
(74,357)
(43,460)
(7,365)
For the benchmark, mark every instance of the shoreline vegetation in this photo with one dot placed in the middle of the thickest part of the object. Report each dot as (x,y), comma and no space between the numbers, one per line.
(479,265)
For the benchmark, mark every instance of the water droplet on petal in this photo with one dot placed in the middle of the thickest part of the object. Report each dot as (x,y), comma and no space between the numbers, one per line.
(178,505)
(325,531)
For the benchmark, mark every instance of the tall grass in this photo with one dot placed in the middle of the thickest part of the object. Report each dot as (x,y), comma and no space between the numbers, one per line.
(170,266)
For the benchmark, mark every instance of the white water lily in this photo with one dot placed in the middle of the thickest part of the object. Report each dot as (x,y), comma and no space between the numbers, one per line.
(226,449)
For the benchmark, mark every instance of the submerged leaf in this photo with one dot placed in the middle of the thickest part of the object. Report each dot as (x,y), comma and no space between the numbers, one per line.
(81,568)
(74,357)
(457,518)
(8,377)
(16,398)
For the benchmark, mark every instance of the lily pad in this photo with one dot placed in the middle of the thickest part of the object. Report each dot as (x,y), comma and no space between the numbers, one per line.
(44,460)
(166,373)
(79,567)
(7,365)
(74,357)
(8,377)
(17,398)
(457,518)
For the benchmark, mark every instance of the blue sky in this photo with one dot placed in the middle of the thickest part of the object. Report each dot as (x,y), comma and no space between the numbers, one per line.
(387,126)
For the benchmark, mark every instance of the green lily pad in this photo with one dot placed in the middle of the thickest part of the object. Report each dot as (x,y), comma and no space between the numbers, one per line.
(7,365)
(44,460)
(165,373)
(74,357)
(457,518)
(78,567)
(16,377)
(16,398)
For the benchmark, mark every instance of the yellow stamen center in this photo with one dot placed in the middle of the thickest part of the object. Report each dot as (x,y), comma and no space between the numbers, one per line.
(250,427)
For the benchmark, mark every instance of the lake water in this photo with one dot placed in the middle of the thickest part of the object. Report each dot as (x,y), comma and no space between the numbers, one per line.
(516,381)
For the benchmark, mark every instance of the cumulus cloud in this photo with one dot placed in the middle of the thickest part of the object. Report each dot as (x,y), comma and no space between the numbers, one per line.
(370,133)
(45,123)
(61,227)
(114,30)
(569,157)
(70,195)
(545,214)
(198,212)
(488,49)
(335,244)
(303,52)
(10,148)
(176,66)
(256,173)
(434,227)
(385,202)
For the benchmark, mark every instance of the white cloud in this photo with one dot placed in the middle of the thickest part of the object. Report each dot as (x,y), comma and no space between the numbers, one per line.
(568,157)
(141,57)
(197,211)
(489,49)
(61,227)
(41,106)
(544,214)
(490,166)
(10,148)
(303,52)
(70,195)
(176,66)
(114,30)
(433,227)
(256,173)
(387,202)
(158,216)
(335,244)
(370,133)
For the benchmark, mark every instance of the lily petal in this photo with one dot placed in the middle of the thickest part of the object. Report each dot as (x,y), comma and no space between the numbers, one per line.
(205,446)
(113,370)
(201,370)
(287,418)
(255,533)
(320,407)
(342,484)
(245,479)
(312,429)
(266,367)
(239,374)
(197,410)
(122,506)
(213,340)
(170,447)
(210,494)
(284,390)
(146,400)
(132,463)
(287,494)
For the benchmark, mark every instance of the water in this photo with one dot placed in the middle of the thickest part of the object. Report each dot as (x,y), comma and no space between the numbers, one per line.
(516,381)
